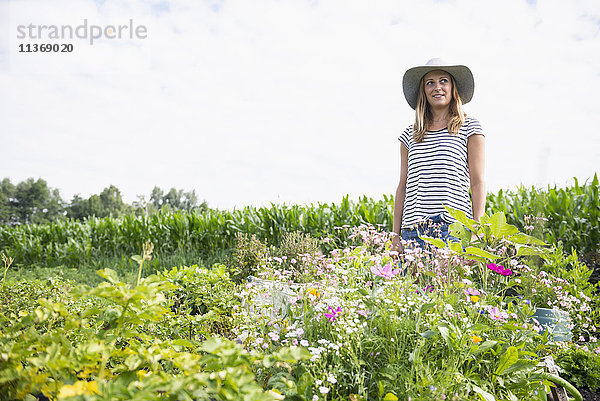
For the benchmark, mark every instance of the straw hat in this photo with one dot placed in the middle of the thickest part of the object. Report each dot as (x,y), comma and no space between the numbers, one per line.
(462,76)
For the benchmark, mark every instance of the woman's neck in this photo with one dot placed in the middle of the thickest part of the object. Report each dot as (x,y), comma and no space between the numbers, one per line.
(439,118)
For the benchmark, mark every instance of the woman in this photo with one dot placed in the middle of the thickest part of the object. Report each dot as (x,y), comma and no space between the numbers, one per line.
(442,154)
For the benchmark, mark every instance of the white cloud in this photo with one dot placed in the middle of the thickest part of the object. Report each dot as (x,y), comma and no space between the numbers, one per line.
(268,101)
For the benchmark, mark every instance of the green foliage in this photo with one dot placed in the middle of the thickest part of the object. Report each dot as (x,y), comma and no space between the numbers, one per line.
(108,351)
(203,302)
(297,251)
(571,215)
(174,200)
(108,203)
(580,366)
(249,254)
(30,201)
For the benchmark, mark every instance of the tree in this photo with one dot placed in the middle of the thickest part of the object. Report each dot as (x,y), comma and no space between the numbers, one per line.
(8,209)
(36,203)
(108,203)
(175,200)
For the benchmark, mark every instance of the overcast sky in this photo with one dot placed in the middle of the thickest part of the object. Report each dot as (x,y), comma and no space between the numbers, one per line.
(253,102)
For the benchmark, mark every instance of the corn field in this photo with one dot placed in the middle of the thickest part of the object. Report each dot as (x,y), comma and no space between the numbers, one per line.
(570,215)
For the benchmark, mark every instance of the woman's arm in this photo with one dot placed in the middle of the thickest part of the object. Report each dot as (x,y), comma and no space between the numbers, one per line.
(399,198)
(476,160)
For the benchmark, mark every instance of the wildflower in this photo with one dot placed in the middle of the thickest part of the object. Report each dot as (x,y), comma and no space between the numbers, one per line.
(497,314)
(499,269)
(304,343)
(331,379)
(429,288)
(385,271)
(314,292)
(472,294)
(476,339)
(323,390)
(333,313)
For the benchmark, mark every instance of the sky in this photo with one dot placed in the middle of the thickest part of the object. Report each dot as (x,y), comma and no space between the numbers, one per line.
(286,101)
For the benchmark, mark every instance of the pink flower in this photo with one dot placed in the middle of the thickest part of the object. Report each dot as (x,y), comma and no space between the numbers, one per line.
(333,313)
(385,271)
(499,269)
(472,291)
(497,314)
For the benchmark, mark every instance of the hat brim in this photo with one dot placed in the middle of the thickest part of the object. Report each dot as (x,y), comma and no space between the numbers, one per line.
(462,76)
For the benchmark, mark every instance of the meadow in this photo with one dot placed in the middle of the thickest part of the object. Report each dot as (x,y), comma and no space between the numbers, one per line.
(303,302)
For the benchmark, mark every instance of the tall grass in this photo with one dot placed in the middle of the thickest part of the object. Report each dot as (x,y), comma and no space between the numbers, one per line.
(73,243)
(572,217)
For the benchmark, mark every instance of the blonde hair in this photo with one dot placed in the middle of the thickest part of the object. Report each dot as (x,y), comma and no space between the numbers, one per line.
(423,116)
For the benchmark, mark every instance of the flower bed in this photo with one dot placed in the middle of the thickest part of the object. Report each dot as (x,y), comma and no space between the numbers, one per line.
(458,326)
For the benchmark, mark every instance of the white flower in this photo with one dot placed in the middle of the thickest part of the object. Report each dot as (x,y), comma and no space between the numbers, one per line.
(331,379)
(304,343)
(323,390)
(315,397)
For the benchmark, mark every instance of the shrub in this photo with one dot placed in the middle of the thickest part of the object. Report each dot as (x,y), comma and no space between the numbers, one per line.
(580,366)
(203,301)
(297,252)
(249,254)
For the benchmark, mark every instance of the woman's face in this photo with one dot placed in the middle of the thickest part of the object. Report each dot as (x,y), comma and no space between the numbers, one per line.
(438,88)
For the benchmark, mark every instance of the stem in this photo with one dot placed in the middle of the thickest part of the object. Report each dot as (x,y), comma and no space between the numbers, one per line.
(559,381)
(7,262)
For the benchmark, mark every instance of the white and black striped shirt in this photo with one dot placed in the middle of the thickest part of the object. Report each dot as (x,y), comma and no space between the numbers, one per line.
(438,173)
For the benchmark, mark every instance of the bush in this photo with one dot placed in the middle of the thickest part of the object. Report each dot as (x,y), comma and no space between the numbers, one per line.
(202,303)
(580,366)
(297,251)
(249,254)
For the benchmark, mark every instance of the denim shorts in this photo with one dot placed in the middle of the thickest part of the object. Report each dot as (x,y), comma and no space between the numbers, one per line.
(434,226)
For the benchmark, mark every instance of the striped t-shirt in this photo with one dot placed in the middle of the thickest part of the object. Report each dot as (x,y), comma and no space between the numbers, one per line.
(438,173)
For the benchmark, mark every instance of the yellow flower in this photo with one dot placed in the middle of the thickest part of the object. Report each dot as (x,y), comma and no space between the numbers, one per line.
(80,387)
(476,339)
(474,298)
(314,292)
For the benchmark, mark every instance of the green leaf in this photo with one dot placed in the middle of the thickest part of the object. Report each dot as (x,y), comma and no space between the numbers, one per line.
(509,358)
(137,258)
(484,394)
(445,332)
(525,239)
(456,247)
(528,251)
(459,231)
(462,218)
(426,307)
(304,385)
(434,241)
(478,328)
(486,345)
(521,366)
(109,274)
(471,250)
(429,334)
(499,226)
(390,397)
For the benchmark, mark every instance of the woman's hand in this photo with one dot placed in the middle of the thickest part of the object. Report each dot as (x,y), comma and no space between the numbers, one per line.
(397,244)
